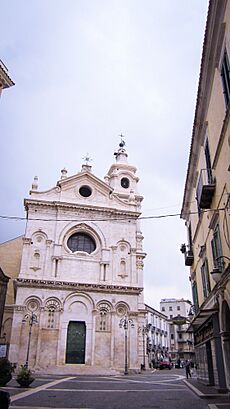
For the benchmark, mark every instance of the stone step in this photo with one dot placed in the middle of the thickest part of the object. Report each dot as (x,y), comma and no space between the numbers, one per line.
(76,370)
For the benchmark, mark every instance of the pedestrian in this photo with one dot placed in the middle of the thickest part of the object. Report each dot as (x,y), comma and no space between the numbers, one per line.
(4,400)
(187,369)
(153,363)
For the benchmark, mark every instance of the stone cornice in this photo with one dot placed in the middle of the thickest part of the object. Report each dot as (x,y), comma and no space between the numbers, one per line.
(66,285)
(82,208)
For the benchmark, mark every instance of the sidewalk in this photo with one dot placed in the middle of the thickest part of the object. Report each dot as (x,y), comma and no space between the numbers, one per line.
(204,391)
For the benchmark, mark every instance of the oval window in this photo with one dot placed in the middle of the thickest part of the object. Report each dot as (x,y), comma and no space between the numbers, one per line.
(125,183)
(81,242)
(85,191)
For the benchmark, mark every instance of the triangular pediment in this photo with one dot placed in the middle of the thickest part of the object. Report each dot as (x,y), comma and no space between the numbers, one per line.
(71,190)
(83,177)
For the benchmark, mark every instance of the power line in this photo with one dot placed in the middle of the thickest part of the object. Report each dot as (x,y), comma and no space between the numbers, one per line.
(161,216)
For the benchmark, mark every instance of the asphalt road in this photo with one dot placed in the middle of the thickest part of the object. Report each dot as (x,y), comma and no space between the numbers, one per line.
(159,390)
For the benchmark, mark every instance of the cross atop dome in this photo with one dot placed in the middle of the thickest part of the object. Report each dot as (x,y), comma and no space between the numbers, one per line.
(121,175)
(86,166)
(121,155)
(122,143)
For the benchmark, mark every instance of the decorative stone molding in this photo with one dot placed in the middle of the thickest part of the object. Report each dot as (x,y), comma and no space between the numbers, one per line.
(103,306)
(122,309)
(139,239)
(26,240)
(33,304)
(140,263)
(53,303)
(134,314)
(24,282)
(82,209)
(19,308)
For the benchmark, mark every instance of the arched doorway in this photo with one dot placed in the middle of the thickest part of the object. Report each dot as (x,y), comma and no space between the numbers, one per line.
(226,339)
(75,346)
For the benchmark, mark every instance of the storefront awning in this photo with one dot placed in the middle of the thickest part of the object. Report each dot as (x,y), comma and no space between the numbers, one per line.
(201,317)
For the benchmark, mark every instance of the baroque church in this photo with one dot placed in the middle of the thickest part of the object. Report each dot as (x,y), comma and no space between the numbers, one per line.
(81,273)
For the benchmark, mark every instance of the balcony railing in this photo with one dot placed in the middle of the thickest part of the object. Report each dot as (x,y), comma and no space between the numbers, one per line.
(205,188)
(188,254)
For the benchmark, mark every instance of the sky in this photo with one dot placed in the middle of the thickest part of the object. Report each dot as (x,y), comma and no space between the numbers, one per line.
(86,71)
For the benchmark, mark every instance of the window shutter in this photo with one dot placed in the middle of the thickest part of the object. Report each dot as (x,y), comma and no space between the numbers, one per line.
(214,252)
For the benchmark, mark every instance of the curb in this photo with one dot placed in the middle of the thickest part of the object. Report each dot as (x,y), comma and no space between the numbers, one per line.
(204,395)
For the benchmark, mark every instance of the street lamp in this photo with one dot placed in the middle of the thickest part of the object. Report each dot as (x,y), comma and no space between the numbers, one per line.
(144,330)
(32,319)
(124,322)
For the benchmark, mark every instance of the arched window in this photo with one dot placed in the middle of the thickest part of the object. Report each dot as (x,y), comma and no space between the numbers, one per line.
(103,318)
(51,311)
(103,321)
(81,242)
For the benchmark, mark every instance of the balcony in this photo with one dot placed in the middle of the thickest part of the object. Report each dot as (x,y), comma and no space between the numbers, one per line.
(205,188)
(188,254)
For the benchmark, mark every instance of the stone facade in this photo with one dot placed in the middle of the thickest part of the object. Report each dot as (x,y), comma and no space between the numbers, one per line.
(81,272)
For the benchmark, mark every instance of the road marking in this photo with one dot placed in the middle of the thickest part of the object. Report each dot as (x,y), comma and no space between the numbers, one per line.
(38,389)
(152,381)
(115,390)
(165,382)
(40,407)
(116,381)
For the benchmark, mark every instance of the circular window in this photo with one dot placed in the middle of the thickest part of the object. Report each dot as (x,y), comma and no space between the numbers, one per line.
(125,183)
(121,309)
(85,191)
(81,242)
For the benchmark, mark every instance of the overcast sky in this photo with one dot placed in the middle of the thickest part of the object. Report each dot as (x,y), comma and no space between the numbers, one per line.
(86,71)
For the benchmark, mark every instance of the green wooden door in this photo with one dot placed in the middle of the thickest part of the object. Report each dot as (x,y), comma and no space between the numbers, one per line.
(75,348)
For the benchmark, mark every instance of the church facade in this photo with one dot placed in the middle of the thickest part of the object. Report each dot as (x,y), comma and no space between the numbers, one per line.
(81,274)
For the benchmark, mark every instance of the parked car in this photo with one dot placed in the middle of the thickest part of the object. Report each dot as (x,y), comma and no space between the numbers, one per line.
(165,364)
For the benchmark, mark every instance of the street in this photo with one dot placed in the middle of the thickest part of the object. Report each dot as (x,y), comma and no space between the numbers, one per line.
(160,389)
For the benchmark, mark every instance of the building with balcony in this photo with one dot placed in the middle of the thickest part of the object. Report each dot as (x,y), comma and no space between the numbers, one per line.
(180,344)
(206,204)
(155,339)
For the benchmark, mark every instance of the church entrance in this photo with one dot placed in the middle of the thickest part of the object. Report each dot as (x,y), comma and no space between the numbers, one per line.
(75,347)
